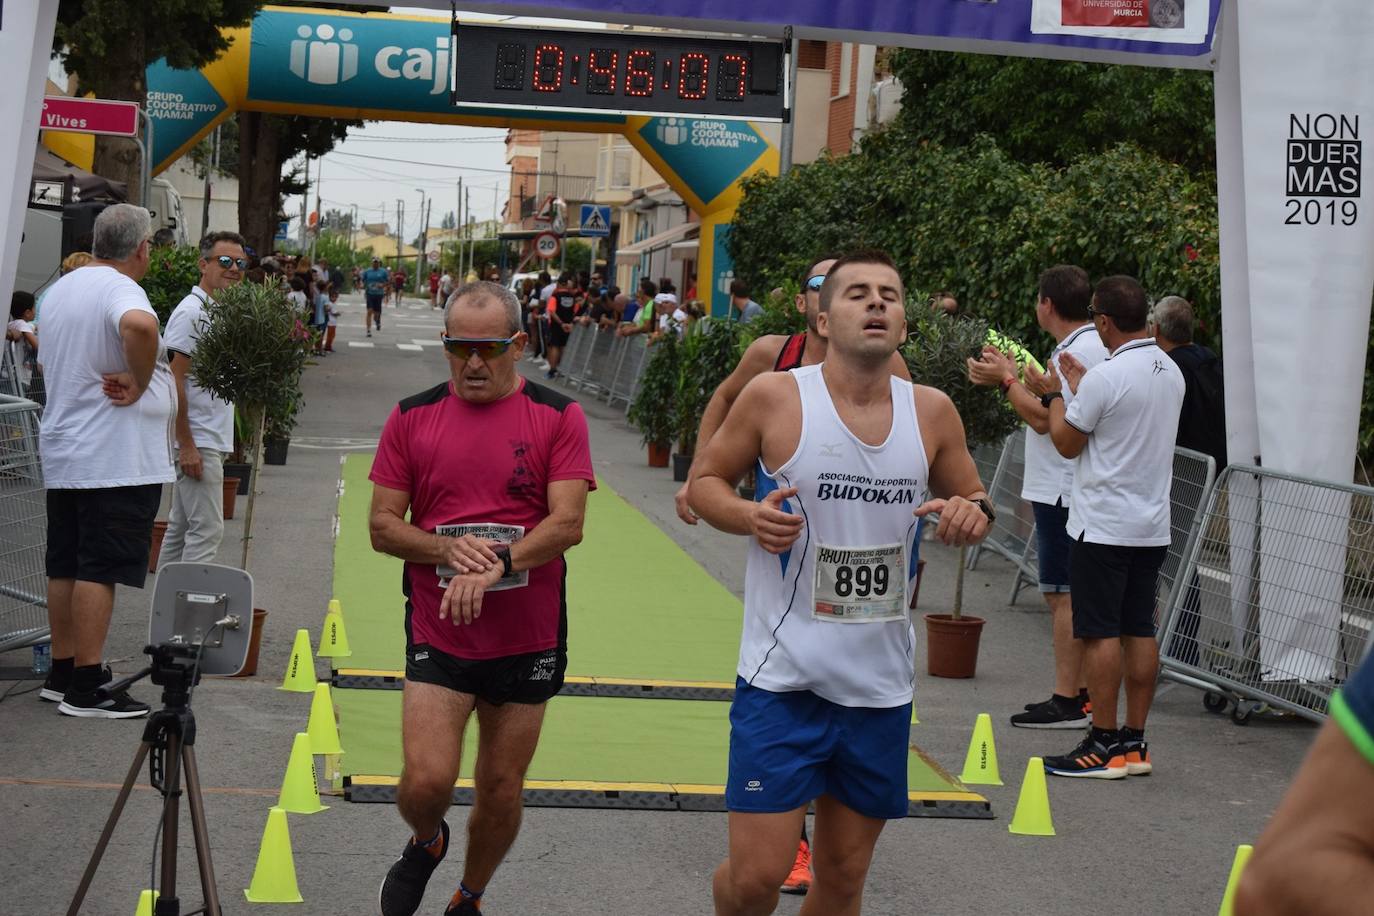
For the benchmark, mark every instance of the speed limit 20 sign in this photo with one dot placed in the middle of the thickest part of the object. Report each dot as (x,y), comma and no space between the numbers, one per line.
(547,245)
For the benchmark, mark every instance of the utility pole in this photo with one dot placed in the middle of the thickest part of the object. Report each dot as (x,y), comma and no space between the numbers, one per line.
(424,231)
(305,201)
(789,93)
(211,164)
(467,227)
(319,210)
(458,228)
(353,232)
(400,227)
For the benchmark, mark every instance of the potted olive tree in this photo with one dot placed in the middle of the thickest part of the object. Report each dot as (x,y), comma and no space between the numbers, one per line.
(252,352)
(936,352)
(710,352)
(654,412)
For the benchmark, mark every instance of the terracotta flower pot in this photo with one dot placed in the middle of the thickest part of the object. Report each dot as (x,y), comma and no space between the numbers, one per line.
(658,455)
(250,665)
(159,532)
(952,645)
(231,491)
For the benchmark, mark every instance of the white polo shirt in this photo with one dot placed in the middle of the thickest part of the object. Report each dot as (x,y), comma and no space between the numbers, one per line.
(212,420)
(1128,407)
(1048,475)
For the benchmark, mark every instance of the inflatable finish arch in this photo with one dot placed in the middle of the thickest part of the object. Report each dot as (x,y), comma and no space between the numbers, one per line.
(384,67)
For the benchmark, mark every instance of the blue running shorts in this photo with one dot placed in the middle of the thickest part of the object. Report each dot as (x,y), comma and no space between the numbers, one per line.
(786,749)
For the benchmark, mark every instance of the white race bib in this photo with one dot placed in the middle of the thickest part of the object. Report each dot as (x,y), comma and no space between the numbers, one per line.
(487,531)
(860,584)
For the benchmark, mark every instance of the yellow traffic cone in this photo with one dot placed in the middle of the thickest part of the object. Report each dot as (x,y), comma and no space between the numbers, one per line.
(333,638)
(1237,869)
(1032,815)
(274,878)
(914,720)
(146,899)
(335,607)
(300,788)
(300,671)
(980,766)
(323,731)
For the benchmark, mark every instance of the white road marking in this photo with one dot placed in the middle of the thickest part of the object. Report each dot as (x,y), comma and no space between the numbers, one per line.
(360,343)
(414,348)
(426,342)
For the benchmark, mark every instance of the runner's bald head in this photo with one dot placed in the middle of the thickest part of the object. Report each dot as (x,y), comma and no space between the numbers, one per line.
(484,297)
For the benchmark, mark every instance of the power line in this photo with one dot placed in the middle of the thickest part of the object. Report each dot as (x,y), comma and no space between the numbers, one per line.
(436,165)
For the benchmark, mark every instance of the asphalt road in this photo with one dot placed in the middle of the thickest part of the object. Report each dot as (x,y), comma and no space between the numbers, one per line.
(1157,845)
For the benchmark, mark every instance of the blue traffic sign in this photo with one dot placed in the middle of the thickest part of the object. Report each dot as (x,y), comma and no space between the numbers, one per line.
(596,220)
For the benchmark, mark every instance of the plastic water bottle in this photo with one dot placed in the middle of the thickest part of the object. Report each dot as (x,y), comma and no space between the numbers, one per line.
(42,658)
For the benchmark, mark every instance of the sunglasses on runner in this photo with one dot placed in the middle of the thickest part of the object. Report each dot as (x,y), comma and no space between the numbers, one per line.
(227,262)
(815,283)
(486,348)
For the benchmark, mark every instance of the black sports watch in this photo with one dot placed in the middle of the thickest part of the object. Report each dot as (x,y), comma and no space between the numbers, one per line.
(1046,398)
(986,505)
(503,552)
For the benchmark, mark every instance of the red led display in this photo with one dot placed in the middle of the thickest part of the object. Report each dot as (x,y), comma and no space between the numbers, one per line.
(602,64)
(548,68)
(732,78)
(693,70)
(639,72)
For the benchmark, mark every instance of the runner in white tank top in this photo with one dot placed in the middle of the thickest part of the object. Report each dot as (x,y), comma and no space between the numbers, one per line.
(822,702)
(850,565)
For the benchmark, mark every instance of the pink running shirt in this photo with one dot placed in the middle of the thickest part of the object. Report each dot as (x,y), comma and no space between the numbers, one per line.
(484,464)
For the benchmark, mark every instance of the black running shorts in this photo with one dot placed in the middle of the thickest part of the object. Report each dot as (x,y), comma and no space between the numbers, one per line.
(102,535)
(1113,589)
(532,677)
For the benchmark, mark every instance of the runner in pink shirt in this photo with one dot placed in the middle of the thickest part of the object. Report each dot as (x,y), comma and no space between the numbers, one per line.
(494,473)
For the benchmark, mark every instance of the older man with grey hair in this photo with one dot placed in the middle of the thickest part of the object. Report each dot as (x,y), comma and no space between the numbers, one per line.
(105,442)
(480,485)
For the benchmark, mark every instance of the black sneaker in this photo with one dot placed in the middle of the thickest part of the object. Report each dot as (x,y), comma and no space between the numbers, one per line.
(464,907)
(1091,759)
(404,885)
(55,688)
(1056,712)
(92,705)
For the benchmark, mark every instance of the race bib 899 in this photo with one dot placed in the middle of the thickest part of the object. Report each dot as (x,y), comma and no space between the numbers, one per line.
(860,584)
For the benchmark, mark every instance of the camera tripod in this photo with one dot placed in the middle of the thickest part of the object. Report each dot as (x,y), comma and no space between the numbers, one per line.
(169,737)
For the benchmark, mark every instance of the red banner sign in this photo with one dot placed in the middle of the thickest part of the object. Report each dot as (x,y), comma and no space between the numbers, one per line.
(1160,14)
(89,116)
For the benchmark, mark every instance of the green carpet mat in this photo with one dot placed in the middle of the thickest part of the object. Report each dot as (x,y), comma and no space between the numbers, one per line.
(639,607)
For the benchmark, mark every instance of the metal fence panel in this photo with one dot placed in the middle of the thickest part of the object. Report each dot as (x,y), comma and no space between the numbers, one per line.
(625,384)
(1013,536)
(23,527)
(601,361)
(1278,596)
(573,366)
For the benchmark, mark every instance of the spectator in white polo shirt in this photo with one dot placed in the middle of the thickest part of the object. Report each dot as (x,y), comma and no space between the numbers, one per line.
(205,424)
(1061,308)
(1120,428)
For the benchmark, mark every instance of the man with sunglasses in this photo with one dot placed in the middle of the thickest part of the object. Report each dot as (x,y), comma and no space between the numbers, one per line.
(776,353)
(1120,430)
(204,424)
(494,473)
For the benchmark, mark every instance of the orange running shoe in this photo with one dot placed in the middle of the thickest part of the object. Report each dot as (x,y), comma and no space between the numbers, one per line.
(799,880)
(1137,757)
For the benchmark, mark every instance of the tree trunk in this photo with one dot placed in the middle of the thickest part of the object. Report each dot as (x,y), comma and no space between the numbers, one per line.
(123,76)
(259,176)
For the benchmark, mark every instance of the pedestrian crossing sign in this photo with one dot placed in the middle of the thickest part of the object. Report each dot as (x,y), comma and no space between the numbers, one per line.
(596,220)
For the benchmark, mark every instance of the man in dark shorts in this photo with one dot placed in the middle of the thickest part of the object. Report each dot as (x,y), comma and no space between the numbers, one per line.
(1120,428)
(494,472)
(562,310)
(106,445)
(398,283)
(376,282)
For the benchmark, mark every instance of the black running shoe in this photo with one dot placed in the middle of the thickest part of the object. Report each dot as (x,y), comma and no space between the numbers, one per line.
(404,885)
(1056,712)
(94,705)
(464,907)
(55,688)
(1091,759)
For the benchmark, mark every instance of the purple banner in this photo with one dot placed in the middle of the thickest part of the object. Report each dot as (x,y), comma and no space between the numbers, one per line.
(958,24)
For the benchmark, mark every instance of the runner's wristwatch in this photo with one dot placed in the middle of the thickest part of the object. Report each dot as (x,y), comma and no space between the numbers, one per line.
(986,505)
(503,553)
(1046,398)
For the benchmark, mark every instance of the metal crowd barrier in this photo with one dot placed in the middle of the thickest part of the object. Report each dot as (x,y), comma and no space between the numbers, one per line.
(604,364)
(23,527)
(1013,537)
(1274,603)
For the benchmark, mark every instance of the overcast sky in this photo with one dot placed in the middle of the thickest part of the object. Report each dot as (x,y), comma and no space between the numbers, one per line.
(354,173)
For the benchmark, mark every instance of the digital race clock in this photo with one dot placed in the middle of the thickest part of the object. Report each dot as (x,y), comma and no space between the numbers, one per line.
(607,70)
